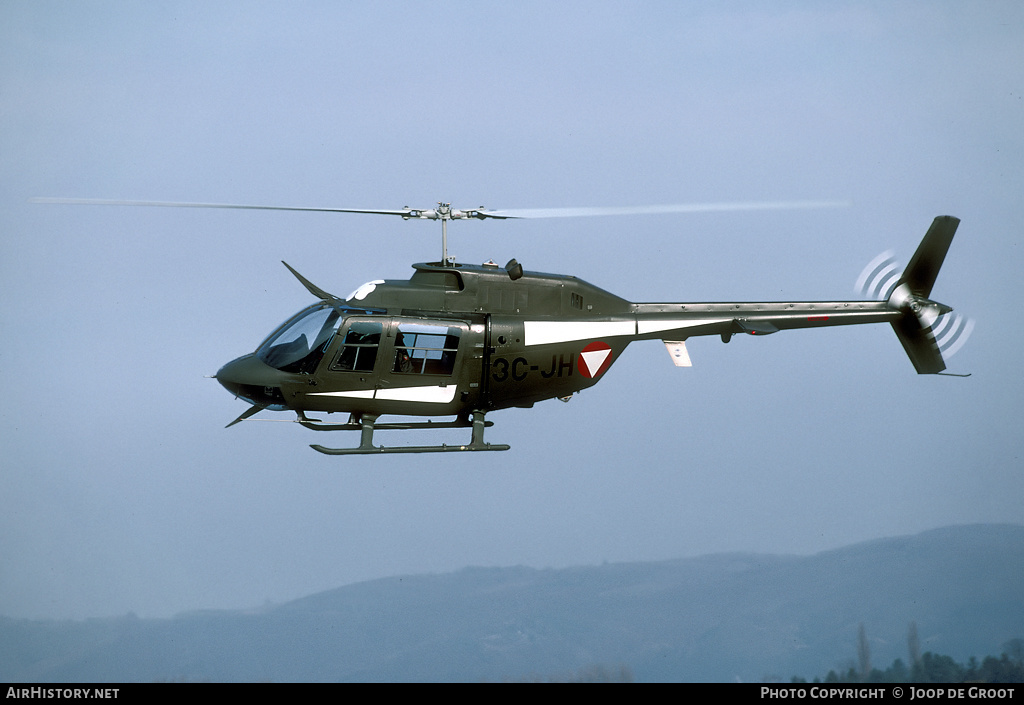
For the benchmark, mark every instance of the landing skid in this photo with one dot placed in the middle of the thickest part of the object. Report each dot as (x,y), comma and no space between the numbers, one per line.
(366,424)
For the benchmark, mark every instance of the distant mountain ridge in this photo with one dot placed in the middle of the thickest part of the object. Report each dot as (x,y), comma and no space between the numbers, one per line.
(713,618)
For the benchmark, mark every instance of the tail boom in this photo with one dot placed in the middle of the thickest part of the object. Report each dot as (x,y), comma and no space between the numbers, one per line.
(680,321)
(908,309)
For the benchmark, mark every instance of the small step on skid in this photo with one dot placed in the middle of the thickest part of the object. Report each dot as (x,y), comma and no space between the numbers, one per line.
(367,424)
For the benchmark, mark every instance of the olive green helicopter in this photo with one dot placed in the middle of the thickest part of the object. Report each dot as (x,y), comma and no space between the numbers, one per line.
(461,340)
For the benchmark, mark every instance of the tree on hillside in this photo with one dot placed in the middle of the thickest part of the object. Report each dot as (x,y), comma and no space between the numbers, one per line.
(863,653)
(937,668)
(913,645)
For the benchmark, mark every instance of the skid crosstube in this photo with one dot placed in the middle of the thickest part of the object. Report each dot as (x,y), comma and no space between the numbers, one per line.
(366,424)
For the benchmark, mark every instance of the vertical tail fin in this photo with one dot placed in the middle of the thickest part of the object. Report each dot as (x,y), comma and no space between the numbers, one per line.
(920,274)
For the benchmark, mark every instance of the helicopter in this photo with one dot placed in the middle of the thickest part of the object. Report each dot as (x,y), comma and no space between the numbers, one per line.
(462,340)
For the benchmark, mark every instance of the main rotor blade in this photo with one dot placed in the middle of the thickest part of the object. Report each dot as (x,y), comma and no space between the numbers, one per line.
(480,213)
(178,204)
(655,210)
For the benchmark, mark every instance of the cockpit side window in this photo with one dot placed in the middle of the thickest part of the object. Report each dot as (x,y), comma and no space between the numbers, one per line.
(423,349)
(359,349)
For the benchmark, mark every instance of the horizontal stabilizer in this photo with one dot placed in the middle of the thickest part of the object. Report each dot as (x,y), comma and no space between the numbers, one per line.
(677,351)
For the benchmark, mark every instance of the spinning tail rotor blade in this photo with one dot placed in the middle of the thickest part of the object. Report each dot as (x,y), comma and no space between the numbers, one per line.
(878,281)
(951,333)
(879,278)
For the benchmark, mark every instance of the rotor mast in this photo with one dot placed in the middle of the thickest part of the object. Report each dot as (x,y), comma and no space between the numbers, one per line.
(444,210)
(444,213)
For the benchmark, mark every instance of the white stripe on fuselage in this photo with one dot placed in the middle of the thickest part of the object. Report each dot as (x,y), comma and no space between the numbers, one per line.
(643,327)
(355,394)
(433,395)
(429,395)
(547,332)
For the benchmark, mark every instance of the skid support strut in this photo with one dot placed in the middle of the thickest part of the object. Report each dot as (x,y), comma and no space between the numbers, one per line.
(366,424)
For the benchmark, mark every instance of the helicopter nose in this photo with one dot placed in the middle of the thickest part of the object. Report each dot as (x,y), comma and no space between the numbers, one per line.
(252,379)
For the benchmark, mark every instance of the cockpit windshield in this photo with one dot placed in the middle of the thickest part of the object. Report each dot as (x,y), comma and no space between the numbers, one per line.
(299,344)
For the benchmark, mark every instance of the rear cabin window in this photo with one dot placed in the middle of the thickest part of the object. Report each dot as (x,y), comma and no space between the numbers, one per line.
(426,350)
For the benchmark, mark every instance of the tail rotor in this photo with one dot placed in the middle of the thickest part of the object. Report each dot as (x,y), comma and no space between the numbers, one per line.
(880,276)
(929,331)
(951,333)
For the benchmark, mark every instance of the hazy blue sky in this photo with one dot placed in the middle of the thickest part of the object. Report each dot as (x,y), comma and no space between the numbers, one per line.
(120,489)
